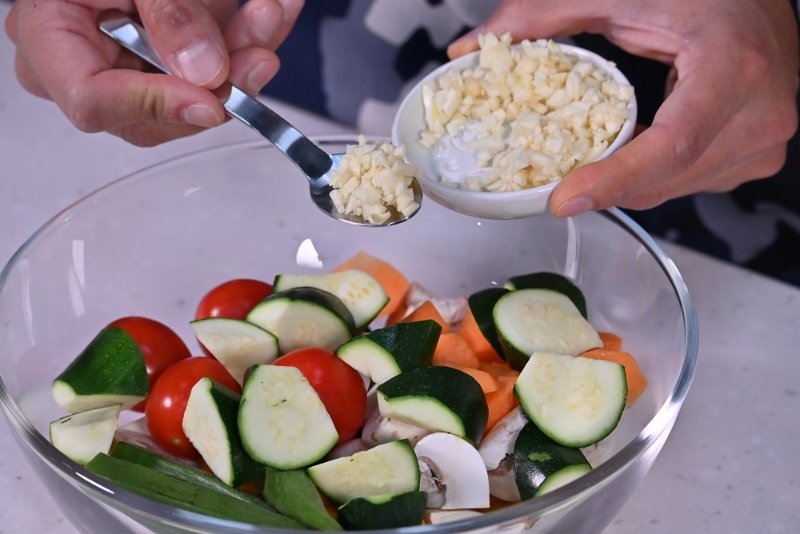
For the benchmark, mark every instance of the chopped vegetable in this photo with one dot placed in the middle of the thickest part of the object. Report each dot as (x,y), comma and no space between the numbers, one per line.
(637,382)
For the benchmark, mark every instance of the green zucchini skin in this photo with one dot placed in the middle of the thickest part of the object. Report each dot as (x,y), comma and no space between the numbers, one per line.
(279,315)
(539,462)
(293,494)
(481,304)
(357,289)
(168,466)
(226,407)
(394,349)
(443,386)
(389,468)
(386,511)
(185,495)
(111,364)
(554,282)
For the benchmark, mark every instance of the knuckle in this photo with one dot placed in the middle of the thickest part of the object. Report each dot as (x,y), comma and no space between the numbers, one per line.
(171,13)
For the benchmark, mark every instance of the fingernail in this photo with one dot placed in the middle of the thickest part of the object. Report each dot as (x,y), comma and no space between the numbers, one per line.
(266,21)
(200,62)
(258,77)
(464,44)
(575,206)
(200,115)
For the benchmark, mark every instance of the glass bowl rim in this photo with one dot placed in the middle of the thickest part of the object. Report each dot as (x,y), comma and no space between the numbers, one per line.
(127,501)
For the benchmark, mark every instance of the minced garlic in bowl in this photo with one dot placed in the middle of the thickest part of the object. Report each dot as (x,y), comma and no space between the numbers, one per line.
(512,119)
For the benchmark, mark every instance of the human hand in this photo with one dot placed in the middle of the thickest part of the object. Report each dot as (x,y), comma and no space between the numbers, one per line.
(62,56)
(730,107)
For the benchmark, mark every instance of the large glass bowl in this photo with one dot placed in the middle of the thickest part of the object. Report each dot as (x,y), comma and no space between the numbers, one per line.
(152,243)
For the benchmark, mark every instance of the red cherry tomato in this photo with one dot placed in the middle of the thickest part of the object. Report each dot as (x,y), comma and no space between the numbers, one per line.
(167,401)
(160,345)
(339,386)
(233,299)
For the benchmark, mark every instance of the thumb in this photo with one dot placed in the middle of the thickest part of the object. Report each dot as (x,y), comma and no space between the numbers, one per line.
(188,40)
(533,19)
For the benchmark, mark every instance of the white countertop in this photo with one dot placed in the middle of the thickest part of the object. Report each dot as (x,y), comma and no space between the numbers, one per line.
(730,465)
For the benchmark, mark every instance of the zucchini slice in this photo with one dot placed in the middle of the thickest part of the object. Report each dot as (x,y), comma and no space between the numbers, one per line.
(358,290)
(282,421)
(386,469)
(179,493)
(541,320)
(304,317)
(110,370)
(481,304)
(81,436)
(554,282)
(293,494)
(210,423)
(236,344)
(575,401)
(384,511)
(437,398)
(159,462)
(542,465)
(387,352)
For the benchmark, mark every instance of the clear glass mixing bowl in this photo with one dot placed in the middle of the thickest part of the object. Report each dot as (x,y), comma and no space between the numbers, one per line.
(152,243)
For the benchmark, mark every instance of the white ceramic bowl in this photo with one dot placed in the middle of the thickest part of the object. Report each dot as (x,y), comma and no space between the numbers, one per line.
(409,122)
(152,243)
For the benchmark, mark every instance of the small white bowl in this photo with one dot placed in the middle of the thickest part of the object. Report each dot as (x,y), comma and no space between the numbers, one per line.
(409,122)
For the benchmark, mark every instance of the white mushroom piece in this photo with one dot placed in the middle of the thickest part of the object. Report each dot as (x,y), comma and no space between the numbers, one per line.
(452,472)
(380,429)
(497,451)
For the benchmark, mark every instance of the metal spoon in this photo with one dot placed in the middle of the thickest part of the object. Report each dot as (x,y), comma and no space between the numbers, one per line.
(314,162)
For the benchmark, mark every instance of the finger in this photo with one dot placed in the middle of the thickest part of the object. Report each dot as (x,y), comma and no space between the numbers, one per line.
(188,39)
(291,10)
(28,78)
(73,61)
(149,135)
(252,68)
(684,128)
(524,20)
(257,23)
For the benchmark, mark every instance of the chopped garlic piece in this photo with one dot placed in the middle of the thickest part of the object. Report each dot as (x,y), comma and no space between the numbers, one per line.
(540,112)
(372,178)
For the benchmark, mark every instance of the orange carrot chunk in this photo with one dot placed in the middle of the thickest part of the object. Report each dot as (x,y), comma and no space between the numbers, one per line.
(391,280)
(500,401)
(611,341)
(637,382)
(488,382)
(453,350)
(470,331)
(427,311)
(498,369)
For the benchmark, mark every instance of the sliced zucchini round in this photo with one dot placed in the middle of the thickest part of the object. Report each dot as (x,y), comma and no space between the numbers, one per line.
(575,401)
(386,352)
(236,344)
(542,465)
(304,317)
(481,304)
(383,470)
(384,511)
(358,290)
(282,421)
(554,282)
(437,398)
(110,370)
(541,320)
(81,436)
(210,423)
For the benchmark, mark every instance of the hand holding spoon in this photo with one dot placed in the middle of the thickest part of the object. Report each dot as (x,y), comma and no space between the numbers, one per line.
(314,162)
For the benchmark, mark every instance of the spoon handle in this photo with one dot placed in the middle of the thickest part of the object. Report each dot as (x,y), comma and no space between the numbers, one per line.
(311,159)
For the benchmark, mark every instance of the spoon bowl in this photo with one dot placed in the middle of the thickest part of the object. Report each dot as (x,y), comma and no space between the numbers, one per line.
(314,162)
